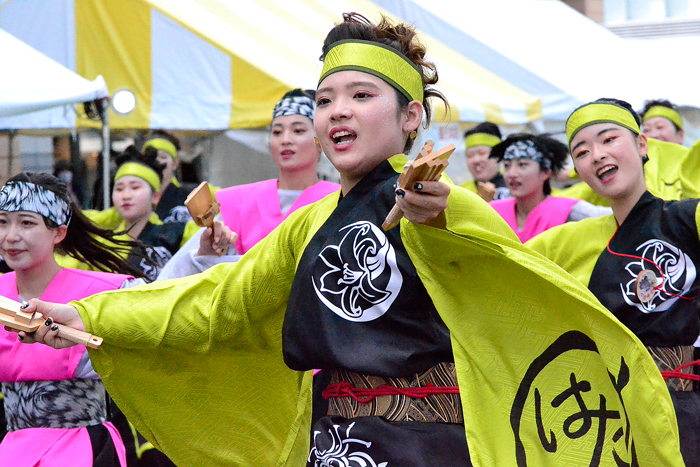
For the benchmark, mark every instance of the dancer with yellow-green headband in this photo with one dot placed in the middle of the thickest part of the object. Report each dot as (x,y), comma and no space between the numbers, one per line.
(642,261)
(136,193)
(171,206)
(433,360)
(487,180)
(661,120)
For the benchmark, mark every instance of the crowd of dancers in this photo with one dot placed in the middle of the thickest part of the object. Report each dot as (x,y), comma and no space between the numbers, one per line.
(296,319)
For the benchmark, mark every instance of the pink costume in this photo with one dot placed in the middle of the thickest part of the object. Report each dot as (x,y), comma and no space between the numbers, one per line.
(43,369)
(253,210)
(549,213)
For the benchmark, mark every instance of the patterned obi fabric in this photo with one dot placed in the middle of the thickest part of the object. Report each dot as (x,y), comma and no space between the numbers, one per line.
(72,403)
(670,358)
(437,408)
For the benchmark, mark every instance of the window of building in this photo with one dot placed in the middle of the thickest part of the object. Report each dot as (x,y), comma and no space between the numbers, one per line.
(621,11)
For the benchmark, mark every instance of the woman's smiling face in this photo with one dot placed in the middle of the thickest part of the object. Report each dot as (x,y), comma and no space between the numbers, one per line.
(25,240)
(608,157)
(359,123)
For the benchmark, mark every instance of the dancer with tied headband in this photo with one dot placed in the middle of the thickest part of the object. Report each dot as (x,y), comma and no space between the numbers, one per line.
(426,352)
(529,161)
(488,181)
(645,235)
(254,210)
(55,404)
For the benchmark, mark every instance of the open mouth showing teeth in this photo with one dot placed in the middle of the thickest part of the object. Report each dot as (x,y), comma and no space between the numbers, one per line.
(606,172)
(343,137)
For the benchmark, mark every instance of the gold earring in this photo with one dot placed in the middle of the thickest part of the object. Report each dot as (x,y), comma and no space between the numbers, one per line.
(316,141)
(413,134)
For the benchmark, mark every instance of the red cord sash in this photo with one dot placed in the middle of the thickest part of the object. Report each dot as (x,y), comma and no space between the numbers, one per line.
(365,395)
(677,373)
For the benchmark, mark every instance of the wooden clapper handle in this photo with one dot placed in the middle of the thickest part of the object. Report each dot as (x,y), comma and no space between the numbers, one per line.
(427,167)
(79,337)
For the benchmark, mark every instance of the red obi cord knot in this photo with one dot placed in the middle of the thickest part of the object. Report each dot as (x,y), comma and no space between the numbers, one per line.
(677,373)
(365,395)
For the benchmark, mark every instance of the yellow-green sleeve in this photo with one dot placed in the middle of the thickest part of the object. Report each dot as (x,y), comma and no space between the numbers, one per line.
(662,171)
(697,219)
(464,204)
(107,219)
(226,300)
(470,185)
(507,308)
(196,363)
(575,246)
(690,168)
(581,191)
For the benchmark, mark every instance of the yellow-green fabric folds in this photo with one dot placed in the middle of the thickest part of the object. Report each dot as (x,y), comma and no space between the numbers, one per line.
(688,172)
(196,364)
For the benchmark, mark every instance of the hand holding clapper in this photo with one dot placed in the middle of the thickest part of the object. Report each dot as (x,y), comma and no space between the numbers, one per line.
(427,167)
(12,316)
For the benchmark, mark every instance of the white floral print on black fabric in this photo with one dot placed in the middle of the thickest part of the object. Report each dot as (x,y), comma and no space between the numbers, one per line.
(343,451)
(678,275)
(526,149)
(361,279)
(25,196)
(296,105)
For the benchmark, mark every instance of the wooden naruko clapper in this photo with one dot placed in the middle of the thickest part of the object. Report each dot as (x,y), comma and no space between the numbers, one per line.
(427,167)
(13,317)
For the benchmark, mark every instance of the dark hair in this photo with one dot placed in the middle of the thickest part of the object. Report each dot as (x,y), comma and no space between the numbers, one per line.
(149,158)
(554,151)
(401,37)
(60,166)
(86,241)
(164,135)
(660,103)
(298,92)
(485,127)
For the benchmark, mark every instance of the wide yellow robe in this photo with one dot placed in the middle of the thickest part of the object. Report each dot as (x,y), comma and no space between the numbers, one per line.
(196,363)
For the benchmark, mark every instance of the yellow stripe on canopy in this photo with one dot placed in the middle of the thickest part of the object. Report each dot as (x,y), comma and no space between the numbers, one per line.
(275,47)
(265,63)
(108,33)
(456,71)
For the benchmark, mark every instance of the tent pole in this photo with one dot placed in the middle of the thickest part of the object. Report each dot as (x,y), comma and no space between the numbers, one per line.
(106,144)
(10,153)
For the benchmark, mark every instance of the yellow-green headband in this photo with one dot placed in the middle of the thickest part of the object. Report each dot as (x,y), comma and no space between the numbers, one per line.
(481,139)
(141,171)
(376,59)
(593,113)
(163,145)
(665,112)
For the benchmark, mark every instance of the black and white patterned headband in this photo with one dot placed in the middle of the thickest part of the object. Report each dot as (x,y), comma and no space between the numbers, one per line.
(25,196)
(296,105)
(527,149)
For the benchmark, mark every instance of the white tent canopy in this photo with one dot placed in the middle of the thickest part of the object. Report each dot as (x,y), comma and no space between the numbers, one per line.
(32,82)
(551,51)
